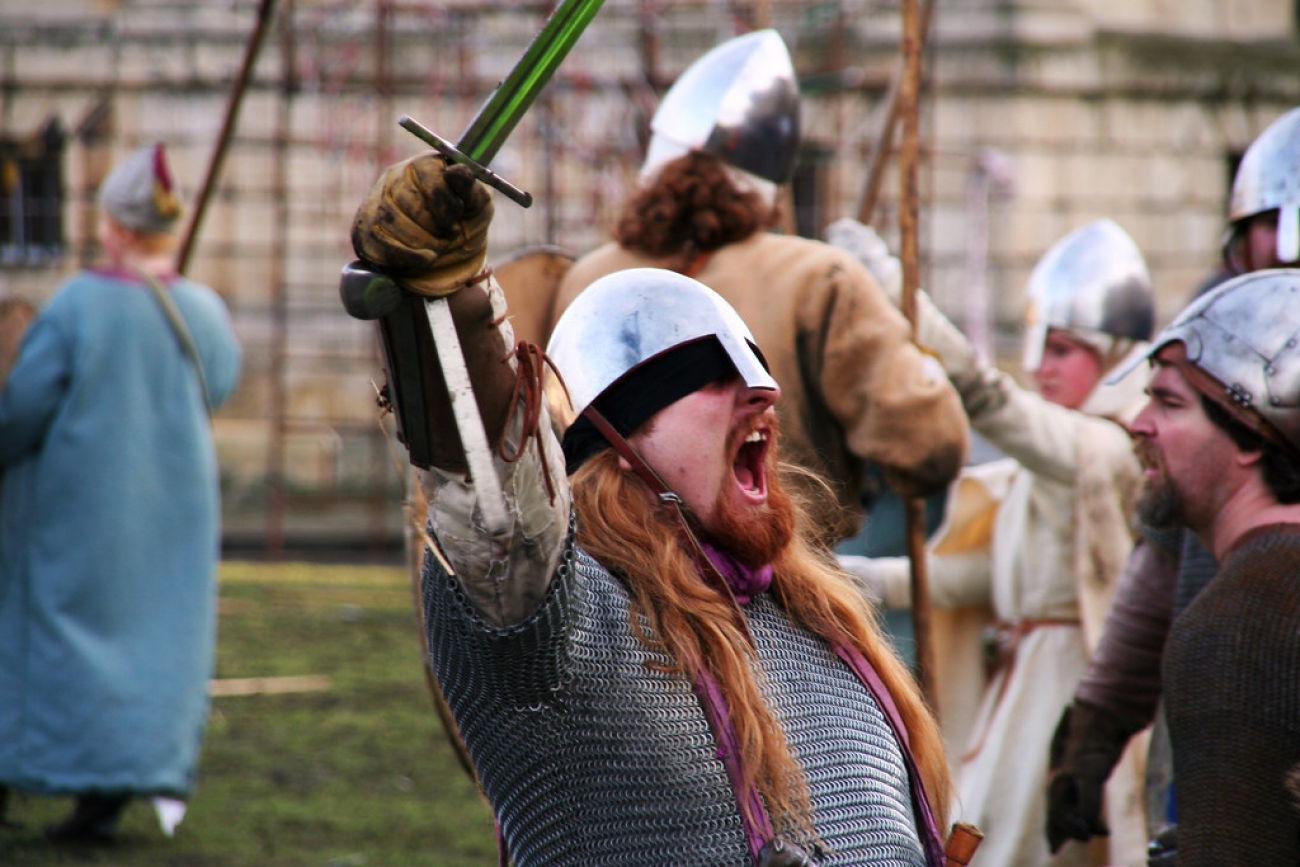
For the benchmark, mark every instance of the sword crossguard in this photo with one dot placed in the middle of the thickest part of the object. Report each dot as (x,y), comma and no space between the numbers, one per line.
(456,155)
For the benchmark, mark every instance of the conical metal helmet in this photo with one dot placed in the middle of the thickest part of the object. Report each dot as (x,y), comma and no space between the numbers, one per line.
(740,103)
(1245,333)
(1092,280)
(1268,178)
(627,318)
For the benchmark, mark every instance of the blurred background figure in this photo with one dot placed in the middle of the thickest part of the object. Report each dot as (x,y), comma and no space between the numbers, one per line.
(1040,536)
(855,389)
(109,520)
(1121,691)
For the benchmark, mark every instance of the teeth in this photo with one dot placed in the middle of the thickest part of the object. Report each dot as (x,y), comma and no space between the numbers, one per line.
(756,437)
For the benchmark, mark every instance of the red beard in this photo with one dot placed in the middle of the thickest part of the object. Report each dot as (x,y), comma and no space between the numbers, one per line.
(754,535)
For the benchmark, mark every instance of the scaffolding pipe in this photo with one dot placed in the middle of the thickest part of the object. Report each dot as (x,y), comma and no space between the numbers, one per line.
(891,108)
(275,512)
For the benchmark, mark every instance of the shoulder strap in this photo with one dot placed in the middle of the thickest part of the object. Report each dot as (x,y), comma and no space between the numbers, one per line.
(182,331)
(931,838)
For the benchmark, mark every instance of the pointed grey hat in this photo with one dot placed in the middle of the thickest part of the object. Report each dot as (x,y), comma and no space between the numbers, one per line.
(139,192)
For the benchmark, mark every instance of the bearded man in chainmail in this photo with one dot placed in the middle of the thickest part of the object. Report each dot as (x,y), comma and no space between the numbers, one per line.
(650,662)
(1220,441)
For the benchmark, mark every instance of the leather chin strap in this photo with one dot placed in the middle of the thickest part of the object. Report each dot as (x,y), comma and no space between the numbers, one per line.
(1234,404)
(625,451)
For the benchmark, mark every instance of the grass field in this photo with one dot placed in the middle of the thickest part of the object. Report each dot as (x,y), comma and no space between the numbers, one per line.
(356,774)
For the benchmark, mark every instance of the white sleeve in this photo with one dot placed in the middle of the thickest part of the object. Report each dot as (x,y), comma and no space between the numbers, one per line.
(955,579)
(506,575)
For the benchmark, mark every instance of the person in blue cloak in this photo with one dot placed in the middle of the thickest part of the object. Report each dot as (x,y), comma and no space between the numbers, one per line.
(109,519)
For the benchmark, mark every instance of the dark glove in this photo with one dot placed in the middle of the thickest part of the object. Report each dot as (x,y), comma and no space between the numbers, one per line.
(425,223)
(1086,746)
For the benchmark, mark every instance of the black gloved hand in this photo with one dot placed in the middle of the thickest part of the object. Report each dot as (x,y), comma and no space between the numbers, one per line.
(1086,746)
(425,223)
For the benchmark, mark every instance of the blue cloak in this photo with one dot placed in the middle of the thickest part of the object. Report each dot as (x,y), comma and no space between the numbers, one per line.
(109,539)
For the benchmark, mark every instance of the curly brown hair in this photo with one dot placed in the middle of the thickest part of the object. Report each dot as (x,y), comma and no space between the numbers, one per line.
(692,207)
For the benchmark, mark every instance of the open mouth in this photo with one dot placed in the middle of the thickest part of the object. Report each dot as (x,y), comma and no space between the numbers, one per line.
(1147,457)
(750,462)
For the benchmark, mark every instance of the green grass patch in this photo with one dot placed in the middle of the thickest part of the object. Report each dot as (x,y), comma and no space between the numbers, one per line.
(359,775)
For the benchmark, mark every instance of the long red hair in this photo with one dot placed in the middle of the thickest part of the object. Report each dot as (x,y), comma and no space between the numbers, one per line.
(621,526)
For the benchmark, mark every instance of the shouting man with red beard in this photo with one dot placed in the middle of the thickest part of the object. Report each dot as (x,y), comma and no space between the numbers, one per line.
(651,663)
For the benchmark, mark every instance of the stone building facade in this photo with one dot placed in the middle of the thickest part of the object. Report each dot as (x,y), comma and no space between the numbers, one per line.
(1037,116)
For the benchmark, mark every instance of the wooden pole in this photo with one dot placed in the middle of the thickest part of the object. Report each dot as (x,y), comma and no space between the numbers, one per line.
(251,51)
(884,143)
(908,217)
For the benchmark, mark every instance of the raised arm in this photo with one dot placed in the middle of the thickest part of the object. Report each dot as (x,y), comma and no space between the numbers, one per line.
(425,224)
(1041,436)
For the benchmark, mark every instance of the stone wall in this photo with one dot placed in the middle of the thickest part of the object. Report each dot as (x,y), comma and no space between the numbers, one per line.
(1130,109)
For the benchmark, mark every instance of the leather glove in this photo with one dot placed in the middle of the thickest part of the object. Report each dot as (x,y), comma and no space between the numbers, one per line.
(425,223)
(1086,746)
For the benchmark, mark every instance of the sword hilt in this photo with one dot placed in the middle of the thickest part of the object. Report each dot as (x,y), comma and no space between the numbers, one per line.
(456,155)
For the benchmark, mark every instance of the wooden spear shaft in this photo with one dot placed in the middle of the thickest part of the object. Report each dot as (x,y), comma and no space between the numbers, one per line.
(884,144)
(251,50)
(908,210)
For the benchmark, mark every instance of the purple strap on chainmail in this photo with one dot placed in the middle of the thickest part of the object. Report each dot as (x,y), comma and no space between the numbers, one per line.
(753,813)
(866,672)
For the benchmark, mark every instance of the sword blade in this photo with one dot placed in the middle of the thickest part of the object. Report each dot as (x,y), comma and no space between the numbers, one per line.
(490,128)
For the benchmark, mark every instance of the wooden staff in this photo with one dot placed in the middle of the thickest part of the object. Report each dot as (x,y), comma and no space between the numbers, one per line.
(908,207)
(884,144)
(251,51)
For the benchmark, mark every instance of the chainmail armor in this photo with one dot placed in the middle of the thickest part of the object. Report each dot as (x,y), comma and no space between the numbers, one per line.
(592,753)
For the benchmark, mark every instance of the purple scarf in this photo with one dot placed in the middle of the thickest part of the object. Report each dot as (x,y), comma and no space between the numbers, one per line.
(745,582)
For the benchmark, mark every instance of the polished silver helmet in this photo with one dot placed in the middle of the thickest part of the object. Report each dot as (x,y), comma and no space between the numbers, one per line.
(740,103)
(627,318)
(1245,333)
(1092,281)
(1268,178)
